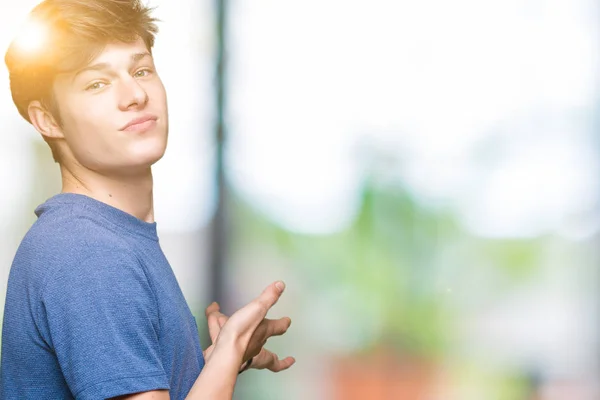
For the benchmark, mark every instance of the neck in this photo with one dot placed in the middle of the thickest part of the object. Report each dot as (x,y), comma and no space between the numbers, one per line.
(131,193)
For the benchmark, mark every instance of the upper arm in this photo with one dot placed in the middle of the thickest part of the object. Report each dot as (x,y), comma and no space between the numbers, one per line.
(103,325)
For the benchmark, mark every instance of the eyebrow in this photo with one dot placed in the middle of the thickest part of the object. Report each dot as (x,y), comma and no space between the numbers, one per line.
(105,66)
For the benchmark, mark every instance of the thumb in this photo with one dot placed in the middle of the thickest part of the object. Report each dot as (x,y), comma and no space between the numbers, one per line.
(270,295)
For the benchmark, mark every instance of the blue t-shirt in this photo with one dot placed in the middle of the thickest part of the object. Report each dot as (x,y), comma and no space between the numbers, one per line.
(93,309)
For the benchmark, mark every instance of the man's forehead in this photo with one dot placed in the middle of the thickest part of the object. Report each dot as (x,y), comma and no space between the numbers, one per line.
(117,51)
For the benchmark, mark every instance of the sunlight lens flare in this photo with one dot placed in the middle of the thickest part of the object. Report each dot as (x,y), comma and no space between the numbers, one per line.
(32,37)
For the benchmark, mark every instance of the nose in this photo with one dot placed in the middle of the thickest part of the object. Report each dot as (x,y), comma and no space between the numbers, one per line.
(132,95)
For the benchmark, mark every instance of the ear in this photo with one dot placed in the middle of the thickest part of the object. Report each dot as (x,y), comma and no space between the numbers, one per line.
(43,121)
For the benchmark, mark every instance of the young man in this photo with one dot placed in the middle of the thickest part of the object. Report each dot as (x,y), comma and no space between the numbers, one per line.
(93,310)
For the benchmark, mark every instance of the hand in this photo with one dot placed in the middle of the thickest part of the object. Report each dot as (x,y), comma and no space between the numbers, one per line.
(263,358)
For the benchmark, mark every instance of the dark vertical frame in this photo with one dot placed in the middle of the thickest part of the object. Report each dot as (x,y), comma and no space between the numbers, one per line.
(218,230)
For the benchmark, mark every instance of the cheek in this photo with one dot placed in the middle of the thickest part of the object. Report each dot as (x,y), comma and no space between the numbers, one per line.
(157,94)
(85,129)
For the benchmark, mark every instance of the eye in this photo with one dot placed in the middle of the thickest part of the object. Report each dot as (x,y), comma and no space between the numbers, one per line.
(142,73)
(96,86)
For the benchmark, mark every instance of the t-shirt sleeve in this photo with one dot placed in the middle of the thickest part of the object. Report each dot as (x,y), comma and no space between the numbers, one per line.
(101,319)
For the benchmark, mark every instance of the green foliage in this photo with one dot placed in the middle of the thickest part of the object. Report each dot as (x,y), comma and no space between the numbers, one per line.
(390,259)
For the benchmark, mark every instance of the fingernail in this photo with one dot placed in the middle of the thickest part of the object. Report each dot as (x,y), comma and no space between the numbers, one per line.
(280,285)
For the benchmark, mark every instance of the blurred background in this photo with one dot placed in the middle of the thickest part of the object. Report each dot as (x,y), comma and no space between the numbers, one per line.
(423,175)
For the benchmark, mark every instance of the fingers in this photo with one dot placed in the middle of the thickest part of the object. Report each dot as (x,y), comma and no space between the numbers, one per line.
(271,327)
(266,329)
(280,365)
(269,296)
(269,360)
(277,365)
(274,327)
(214,319)
(214,306)
(213,328)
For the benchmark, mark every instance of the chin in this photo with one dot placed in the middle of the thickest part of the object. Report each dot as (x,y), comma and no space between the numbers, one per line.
(148,159)
(148,153)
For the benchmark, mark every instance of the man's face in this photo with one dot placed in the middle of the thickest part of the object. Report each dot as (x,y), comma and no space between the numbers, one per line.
(113,111)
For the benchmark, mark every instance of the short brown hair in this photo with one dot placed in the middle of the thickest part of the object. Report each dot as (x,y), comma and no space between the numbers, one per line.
(76,32)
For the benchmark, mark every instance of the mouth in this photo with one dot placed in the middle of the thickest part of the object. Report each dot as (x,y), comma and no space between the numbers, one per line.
(140,124)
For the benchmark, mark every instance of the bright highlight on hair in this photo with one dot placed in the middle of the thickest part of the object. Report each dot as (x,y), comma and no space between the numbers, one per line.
(32,37)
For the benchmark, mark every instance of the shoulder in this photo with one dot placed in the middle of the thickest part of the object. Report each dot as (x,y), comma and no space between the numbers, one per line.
(88,260)
(73,233)
(72,244)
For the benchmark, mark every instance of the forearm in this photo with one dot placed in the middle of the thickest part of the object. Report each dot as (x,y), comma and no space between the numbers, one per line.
(218,377)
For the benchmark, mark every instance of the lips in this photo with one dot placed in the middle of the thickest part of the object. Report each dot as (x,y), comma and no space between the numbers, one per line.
(139,123)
